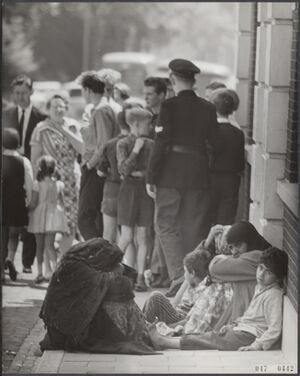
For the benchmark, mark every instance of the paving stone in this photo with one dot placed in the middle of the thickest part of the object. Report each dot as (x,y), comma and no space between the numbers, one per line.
(70,367)
(99,367)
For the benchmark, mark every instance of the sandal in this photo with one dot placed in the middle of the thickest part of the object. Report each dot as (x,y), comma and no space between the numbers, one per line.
(39,279)
(140,286)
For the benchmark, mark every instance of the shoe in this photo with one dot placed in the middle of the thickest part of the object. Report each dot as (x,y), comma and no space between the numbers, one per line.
(175,286)
(27,270)
(140,287)
(157,282)
(39,279)
(11,270)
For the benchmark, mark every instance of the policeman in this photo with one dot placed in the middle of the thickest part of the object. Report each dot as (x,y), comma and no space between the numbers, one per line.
(178,171)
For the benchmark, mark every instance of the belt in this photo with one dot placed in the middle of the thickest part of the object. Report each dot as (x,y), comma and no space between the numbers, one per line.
(186,149)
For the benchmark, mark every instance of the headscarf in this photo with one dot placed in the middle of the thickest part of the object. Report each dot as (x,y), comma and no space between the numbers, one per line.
(245,232)
(78,287)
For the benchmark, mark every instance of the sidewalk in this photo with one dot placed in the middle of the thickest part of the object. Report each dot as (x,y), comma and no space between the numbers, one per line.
(22,330)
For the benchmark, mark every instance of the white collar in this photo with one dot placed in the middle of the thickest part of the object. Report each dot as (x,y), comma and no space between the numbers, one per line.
(20,109)
(102,102)
(10,153)
(223,120)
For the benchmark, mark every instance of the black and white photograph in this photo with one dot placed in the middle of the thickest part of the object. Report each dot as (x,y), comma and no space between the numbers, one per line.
(149,191)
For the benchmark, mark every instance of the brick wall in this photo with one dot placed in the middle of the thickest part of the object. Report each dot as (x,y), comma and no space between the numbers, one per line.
(290,245)
(291,167)
(290,222)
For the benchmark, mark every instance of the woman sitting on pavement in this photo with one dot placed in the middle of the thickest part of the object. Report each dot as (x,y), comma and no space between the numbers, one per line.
(246,245)
(89,303)
(259,328)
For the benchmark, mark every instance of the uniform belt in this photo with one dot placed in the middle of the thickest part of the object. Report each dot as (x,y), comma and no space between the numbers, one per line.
(186,149)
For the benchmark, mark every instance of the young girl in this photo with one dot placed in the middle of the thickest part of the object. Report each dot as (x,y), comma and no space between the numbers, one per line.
(47,216)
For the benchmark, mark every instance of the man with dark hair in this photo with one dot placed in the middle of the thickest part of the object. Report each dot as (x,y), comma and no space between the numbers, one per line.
(23,117)
(102,127)
(155,90)
(178,171)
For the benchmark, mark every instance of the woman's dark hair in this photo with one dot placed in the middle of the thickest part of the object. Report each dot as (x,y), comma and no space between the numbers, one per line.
(92,81)
(276,260)
(56,96)
(46,167)
(244,231)
(197,261)
(224,103)
(10,139)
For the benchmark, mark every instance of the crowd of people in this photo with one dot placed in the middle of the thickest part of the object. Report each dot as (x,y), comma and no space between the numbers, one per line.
(138,185)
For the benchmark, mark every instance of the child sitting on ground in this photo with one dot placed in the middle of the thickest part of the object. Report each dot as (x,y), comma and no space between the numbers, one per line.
(260,326)
(158,306)
(135,207)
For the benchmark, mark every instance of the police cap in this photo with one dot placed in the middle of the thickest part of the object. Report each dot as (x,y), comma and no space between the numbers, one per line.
(183,68)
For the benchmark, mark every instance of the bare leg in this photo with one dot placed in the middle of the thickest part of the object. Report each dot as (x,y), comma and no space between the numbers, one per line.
(110,228)
(160,342)
(49,248)
(125,238)
(40,245)
(66,242)
(142,243)
(13,241)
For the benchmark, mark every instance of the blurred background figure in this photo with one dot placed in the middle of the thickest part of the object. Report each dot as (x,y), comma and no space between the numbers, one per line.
(17,182)
(214,85)
(121,93)
(110,77)
(23,117)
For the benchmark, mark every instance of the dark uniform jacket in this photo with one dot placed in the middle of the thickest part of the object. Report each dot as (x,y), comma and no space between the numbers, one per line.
(179,159)
(229,151)
(10,120)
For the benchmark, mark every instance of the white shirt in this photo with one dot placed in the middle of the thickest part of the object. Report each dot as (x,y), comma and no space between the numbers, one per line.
(28,174)
(27,114)
(230,119)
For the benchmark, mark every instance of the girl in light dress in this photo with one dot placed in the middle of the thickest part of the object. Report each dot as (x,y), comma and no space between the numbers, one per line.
(47,215)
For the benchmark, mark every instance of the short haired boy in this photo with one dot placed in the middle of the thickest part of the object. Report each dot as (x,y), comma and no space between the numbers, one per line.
(260,326)
(101,128)
(135,207)
(158,306)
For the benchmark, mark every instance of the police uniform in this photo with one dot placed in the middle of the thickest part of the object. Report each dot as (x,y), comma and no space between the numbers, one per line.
(179,169)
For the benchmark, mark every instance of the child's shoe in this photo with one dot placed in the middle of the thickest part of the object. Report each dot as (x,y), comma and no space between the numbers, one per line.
(39,279)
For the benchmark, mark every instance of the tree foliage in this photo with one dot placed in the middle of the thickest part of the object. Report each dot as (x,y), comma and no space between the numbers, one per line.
(47,41)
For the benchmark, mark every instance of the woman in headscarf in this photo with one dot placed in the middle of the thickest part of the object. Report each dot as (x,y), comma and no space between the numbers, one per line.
(246,245)
(89,303)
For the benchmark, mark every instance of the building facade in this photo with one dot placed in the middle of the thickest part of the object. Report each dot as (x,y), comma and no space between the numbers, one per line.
(266,69)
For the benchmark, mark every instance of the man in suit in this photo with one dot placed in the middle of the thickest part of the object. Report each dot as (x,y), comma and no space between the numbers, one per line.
(24,117)
(178,171)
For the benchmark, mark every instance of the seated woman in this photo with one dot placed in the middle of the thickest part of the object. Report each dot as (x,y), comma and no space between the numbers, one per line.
(158,306)
(246,245)
(260,326)
(89,303)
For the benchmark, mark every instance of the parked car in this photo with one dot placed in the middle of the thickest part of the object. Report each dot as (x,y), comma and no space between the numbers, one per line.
(209,72)
(76,101)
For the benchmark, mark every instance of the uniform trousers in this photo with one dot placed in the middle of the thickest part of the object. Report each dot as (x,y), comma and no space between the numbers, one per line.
(90,220)
(225,196)
(182,220)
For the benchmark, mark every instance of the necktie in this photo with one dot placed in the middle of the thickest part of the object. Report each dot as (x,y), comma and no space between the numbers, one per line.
(21,126)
